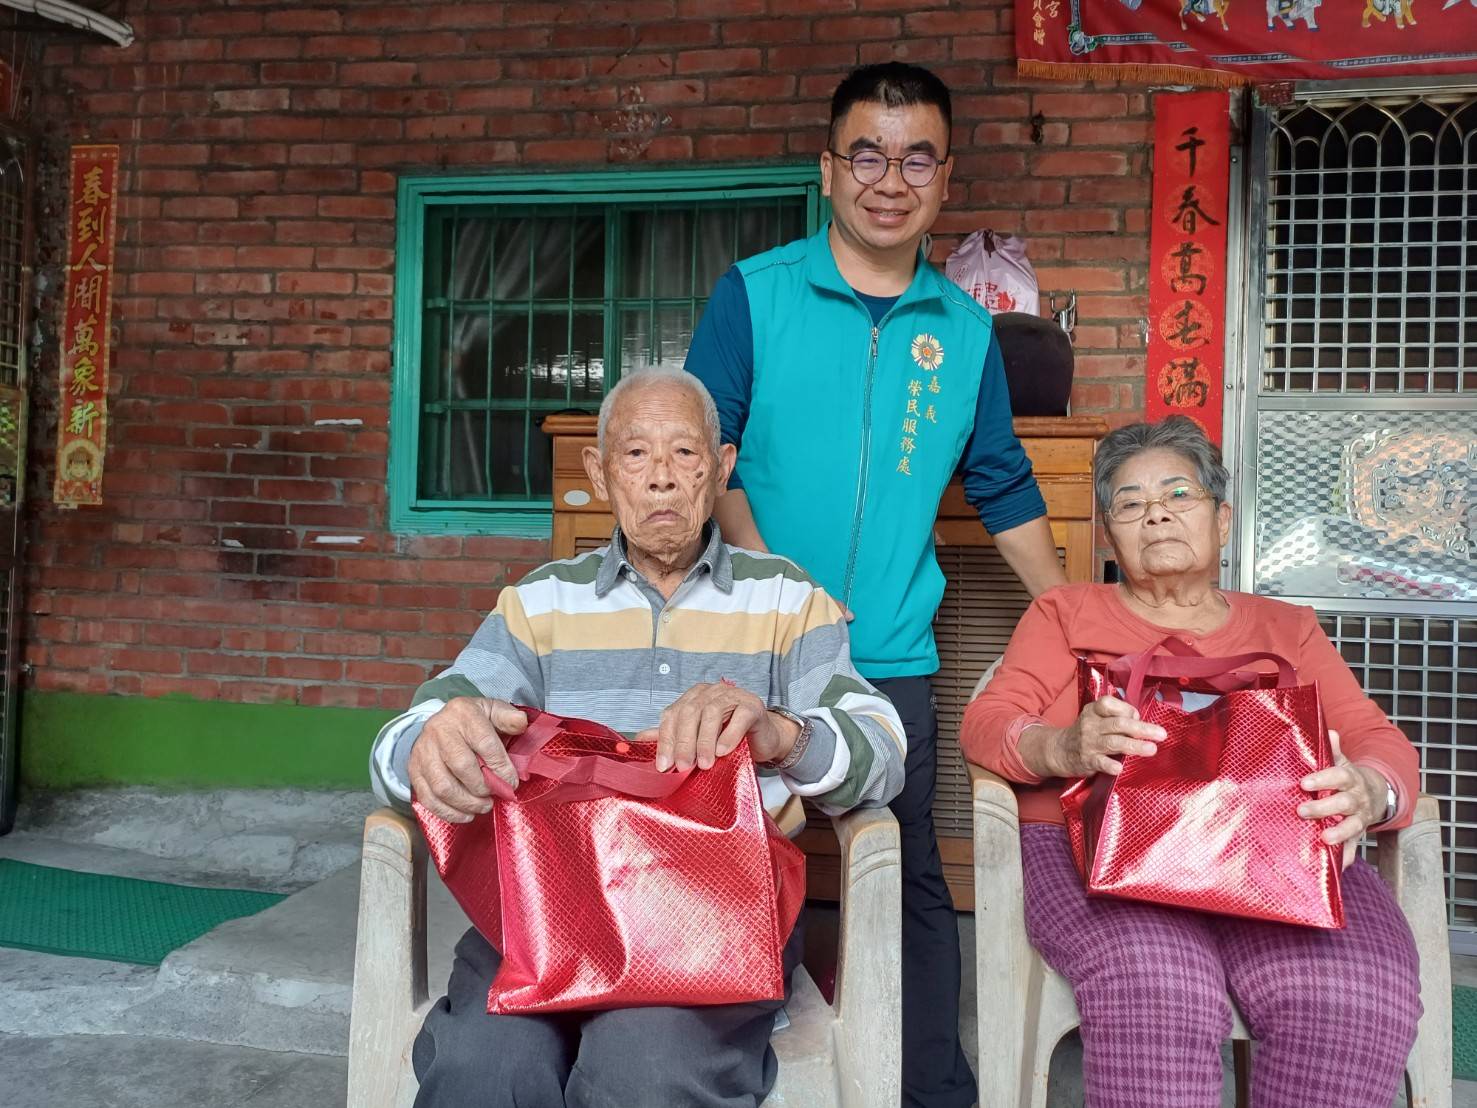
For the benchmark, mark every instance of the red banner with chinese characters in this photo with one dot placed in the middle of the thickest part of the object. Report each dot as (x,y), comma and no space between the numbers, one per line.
(1232,42)
(1187,258)
(82,429)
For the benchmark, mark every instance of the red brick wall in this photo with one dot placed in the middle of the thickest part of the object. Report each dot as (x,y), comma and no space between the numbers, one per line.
(260,149)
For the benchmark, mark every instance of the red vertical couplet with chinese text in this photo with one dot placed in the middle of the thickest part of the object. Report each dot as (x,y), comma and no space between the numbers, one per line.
(1187,258)
(82,429)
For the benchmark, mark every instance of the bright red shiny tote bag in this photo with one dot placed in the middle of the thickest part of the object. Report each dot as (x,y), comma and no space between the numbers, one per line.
(606,884)
(1210,822)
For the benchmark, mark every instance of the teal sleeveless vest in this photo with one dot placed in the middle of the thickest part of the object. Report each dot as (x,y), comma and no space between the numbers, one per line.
(854,432)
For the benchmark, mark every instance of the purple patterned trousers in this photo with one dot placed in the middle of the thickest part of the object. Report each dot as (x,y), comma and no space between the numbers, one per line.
(1333,1012)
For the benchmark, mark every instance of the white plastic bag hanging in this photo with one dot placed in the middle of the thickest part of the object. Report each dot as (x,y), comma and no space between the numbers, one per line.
(995,271)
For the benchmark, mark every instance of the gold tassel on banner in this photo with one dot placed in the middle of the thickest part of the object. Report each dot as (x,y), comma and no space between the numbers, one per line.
(1142,73)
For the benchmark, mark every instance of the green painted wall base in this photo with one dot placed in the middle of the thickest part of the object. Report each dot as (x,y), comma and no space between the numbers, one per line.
(71,740)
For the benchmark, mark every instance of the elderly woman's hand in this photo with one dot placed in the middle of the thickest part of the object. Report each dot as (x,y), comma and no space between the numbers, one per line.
(1106,728)
(1359,795)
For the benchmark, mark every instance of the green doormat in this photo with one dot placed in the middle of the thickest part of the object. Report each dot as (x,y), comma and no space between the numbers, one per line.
(89,915)
(1464,1032)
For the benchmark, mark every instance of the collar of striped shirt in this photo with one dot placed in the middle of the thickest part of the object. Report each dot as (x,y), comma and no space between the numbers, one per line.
(714,560)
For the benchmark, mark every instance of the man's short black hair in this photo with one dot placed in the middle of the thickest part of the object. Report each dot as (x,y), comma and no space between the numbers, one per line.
(896,84)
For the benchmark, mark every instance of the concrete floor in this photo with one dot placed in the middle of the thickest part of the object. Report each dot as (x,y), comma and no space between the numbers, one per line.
(132,1071)
(257,989)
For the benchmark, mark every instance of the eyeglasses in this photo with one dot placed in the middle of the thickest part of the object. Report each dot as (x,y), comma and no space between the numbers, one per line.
(1180,499)
(870,166)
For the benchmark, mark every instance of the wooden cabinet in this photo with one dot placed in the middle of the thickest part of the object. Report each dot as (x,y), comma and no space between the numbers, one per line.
(581,520)
(982,602)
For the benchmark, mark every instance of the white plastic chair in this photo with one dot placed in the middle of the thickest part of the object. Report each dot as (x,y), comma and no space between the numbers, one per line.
(847,1054)
(1015,1055)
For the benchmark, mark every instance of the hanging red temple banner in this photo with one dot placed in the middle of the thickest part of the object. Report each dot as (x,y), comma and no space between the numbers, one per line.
(1187,258)
(82,429)
(1221,43)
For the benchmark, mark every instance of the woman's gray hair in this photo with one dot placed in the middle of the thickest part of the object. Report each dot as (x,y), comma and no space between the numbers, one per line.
(657,375)
(1178,433)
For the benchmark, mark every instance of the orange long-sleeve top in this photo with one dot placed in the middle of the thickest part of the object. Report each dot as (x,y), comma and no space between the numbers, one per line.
(1037,683)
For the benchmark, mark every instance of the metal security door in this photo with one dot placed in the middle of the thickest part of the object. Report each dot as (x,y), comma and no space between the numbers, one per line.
(15,292)
(1357,466)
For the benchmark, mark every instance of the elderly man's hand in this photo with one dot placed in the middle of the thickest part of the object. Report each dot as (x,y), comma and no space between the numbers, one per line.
(707,722)
(445,771)
(1105,728)
(1358,795)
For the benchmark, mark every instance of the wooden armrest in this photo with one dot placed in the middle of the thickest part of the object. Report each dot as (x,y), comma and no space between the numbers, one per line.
(389,953)
(1427,810)
(865,832)
(1411,862)
(1406,854)
(1003,956)
(386,830)
(995,810)
(868,1000)
(983,782)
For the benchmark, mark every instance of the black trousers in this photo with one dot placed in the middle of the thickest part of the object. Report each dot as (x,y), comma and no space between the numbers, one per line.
(935,1072)
(710,1057)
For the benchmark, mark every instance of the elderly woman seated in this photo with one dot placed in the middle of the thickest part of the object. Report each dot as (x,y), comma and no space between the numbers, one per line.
(1334,1013)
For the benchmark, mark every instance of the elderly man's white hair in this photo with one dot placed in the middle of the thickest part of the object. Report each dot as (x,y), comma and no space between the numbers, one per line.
(660,376)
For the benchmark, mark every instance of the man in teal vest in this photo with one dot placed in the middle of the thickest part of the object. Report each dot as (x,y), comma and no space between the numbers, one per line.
(855,379)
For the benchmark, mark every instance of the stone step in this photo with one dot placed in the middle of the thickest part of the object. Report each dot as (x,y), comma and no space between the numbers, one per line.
(134,1071)
(278,840)
(279,980)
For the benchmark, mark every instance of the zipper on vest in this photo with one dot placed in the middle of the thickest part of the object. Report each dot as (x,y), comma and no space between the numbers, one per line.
(863,461)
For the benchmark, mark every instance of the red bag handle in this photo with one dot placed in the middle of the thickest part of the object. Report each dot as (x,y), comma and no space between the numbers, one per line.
(1120,670)
(1179,663)
(581,776)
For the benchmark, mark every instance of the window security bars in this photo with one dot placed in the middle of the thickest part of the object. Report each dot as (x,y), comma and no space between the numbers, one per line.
(1358,470)
(533,310)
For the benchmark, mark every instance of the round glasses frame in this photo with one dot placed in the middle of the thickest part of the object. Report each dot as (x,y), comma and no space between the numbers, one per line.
(1133,510)
(917,170)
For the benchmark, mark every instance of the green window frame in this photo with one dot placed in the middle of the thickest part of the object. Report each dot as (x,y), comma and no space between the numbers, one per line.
(425,203)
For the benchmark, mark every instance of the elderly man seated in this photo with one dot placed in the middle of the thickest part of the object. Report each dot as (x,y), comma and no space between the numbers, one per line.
(669,633)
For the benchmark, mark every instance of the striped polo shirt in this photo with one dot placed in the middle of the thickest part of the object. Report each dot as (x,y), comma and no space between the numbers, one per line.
(591,637)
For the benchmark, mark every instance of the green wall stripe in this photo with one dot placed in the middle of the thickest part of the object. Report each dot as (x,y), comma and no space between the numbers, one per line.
(69,740)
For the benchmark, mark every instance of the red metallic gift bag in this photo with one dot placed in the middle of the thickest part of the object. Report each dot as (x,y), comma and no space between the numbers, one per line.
(1210,821)
(606,884)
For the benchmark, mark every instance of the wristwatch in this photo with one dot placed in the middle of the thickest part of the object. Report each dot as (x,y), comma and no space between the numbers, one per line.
(1392,802)
(790,760)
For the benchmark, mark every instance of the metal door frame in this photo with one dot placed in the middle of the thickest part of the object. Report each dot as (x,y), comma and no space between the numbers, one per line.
(1247,256)
(1245,350)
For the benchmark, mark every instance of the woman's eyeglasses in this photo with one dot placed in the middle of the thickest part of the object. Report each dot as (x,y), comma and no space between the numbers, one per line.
(870,166)
(1179,499)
